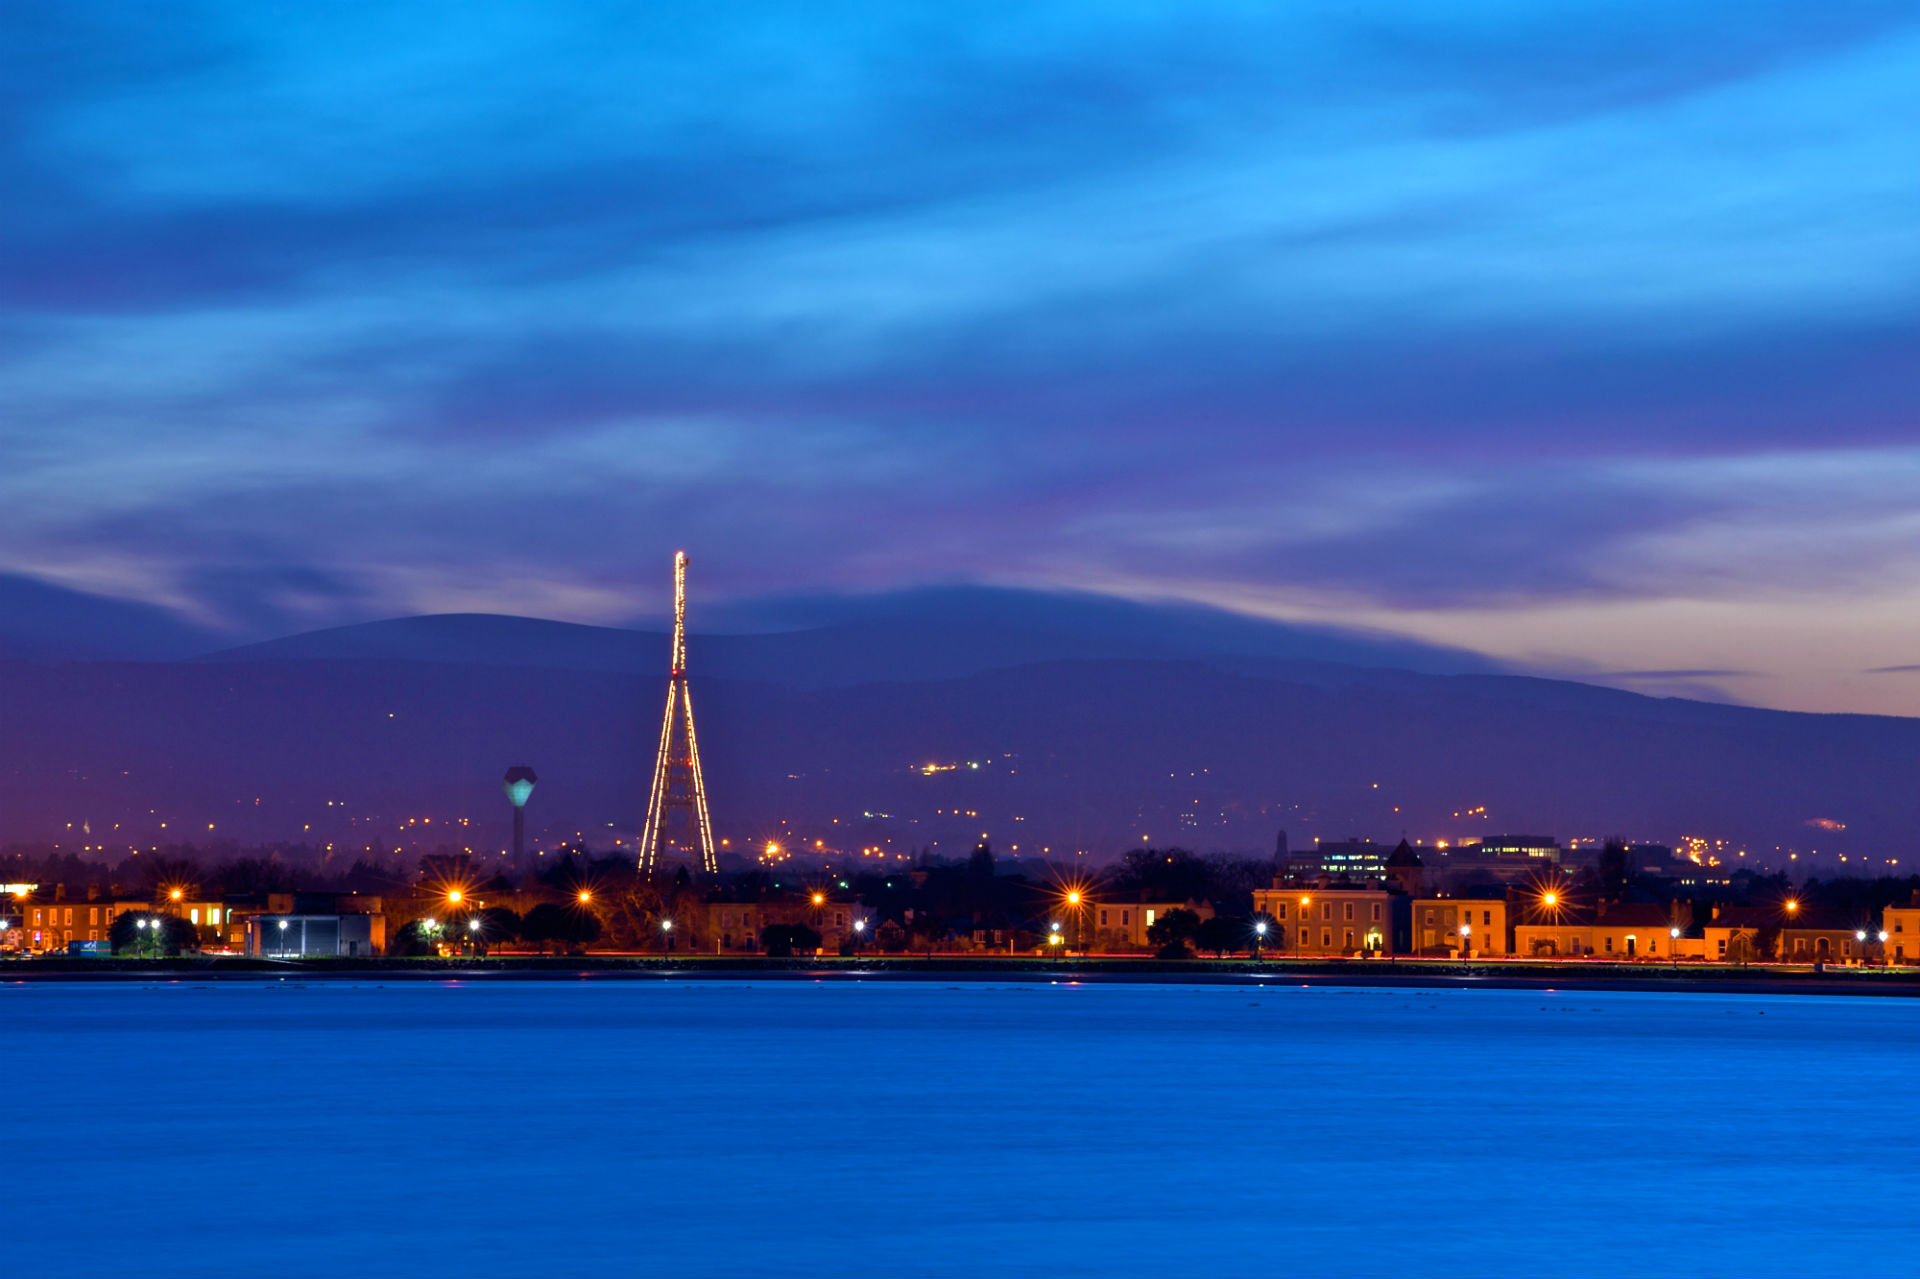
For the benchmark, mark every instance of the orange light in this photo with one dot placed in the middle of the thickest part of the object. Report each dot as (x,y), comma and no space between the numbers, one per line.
(1792,905)
(454,895)
(585,896)
(819,898)
(1073,898)
(175,894)
(1306,901)
(1549,898)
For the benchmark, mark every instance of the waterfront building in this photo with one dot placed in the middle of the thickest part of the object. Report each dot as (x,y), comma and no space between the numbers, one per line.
(1902,926)
(1438,923)
(734,927)
(314,936)
(1826,937)
(1333,919)
(1612,930)
(1124,925)
(301,925)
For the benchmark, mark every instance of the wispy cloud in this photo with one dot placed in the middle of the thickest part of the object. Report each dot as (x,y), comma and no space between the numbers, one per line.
(323,315)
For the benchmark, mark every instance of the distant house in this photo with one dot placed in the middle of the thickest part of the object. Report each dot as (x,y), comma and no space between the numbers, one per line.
(1612,930)
(1819,936)
(1452,925)
(1902,926)
(1123,925)
(1333,919)
(734,927)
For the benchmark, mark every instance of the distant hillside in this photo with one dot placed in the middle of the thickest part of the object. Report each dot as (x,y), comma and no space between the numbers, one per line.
(914,635)
(1089,753)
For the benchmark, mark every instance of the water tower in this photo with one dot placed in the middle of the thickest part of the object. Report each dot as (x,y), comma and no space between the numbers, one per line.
(518,783)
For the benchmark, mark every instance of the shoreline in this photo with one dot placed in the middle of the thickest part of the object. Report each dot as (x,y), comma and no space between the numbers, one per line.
(1435,975)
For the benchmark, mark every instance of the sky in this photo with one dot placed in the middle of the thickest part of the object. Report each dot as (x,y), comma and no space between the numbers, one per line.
(1584,335)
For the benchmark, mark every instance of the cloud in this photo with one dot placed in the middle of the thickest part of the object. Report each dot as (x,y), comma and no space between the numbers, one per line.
(309,317)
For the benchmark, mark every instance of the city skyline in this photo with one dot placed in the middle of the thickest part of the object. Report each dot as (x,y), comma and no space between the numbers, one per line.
(1579,339)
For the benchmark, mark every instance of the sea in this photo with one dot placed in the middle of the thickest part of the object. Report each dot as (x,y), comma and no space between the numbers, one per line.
(795,1127)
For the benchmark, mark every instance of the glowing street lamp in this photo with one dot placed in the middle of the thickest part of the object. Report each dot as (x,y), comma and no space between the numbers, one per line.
(585,896)
(454,896)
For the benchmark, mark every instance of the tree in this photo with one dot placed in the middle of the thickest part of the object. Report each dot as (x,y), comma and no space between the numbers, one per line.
(498,925)
(783,940)
(1172,930)
(569,929)
(1223,933)
(980,865)
(144,933)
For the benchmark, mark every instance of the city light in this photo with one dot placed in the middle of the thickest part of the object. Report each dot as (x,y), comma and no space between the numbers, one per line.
(666,925)
(586,895)
(819,899)
(1792,906)
(1260,929)
(454,895)
(859,925)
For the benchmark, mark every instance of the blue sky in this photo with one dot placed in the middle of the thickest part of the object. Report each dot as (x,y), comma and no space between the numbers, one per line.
(1585,335)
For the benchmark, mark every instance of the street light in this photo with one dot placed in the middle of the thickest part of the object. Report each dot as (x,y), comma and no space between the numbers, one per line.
(1466,944)
(1259,936)
(1673,946)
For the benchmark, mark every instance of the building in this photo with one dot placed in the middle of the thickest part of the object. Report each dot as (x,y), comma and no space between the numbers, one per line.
(1500,859)
(314,936)
(1124,925)
(735,927)
(51,925)
(1612,930)
(1405,871)
(1330,919)
(1354,859)
(1902,927)
(1815,936)
(1438,924)
(311,925)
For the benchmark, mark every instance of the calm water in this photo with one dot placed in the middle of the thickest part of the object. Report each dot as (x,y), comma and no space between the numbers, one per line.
(900,1128)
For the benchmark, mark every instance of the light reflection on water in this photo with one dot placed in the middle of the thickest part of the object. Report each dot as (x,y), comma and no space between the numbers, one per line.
(934,1128)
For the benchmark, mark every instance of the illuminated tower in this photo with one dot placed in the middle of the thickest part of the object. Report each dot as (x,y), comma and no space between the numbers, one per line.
(677,824)
(518,783)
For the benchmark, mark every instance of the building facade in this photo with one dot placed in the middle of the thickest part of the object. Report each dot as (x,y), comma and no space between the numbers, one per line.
(1332,920)
(1472,926)
(1124,925)
(1616,930)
